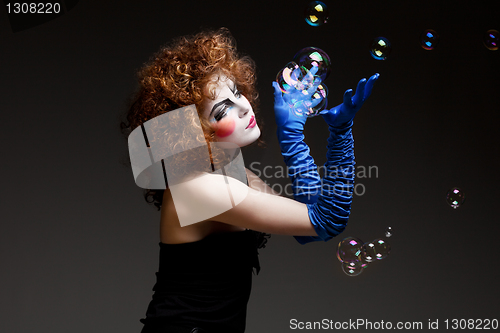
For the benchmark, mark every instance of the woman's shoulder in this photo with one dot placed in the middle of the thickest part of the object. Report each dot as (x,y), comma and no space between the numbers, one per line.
(208,190)
(172,232)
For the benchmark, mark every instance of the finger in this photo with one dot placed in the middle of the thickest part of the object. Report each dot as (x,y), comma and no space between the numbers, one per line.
(360,92)
(278,94)
(348,98)
(369,85)
(315,102)
(314,70)
(314,86)
(289,89)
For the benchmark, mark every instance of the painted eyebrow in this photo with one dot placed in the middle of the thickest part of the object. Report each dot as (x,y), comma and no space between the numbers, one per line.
(233,89)
(226,101)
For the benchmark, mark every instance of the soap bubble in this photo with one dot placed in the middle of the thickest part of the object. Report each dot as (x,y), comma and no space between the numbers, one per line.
(308,102)
(429,39)
(376,250)
(293,76)
(284,77)
(363,262)
(313,57)
(316,13)
(491,40)
(352,268)
(455,197)
(318,101)
(349,250)
(388,232)
(380,48)
(310,105)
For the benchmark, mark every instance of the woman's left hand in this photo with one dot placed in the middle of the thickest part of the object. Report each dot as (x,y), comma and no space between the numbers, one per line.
(345,112)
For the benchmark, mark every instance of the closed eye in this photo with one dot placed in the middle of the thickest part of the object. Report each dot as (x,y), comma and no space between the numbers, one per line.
(223,109)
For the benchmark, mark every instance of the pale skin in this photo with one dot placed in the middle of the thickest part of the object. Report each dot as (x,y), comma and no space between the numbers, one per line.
(262,209)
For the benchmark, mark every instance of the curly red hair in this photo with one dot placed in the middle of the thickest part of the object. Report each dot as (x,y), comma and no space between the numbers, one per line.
(176,76)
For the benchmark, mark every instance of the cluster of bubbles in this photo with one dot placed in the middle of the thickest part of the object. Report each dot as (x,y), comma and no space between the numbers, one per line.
(455,197)
(380,48)
(355,255)
(316,14)
(301,81)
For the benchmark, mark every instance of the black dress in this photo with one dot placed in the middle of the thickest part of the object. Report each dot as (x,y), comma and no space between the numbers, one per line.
(204,284)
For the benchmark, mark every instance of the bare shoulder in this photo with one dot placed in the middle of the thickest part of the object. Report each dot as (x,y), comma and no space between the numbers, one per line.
(206,196)
(171,231)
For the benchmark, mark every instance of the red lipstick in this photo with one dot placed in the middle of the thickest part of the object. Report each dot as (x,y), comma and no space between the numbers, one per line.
(252,123)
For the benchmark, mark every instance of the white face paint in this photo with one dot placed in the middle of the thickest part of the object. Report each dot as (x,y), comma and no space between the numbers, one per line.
(230,112)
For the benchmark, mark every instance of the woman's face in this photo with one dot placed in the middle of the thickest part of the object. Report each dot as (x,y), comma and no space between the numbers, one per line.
(230,113)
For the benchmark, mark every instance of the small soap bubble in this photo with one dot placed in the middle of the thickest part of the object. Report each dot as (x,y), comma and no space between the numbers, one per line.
(363,262)
(491,40)
(376,250)
(380,48)
(455,197)
(388,232)
(316,13)
(429,39)
(352,268)
(349,250)
(313,57)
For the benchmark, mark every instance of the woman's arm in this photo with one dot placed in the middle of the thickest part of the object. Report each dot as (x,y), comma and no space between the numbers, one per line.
(252,209)
(257,184)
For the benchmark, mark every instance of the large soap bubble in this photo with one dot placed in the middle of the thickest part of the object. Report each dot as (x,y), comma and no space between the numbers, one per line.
(301,82)
(352,268)
(376,250)
(313,57)
(308,102)
(349,250)
(294,77)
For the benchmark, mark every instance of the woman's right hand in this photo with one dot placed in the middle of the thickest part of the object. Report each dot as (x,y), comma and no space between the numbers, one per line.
(283,113)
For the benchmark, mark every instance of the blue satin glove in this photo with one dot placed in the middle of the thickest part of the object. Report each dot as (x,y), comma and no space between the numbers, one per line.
(330,213)
(302,170)
(345,112)
(329,210)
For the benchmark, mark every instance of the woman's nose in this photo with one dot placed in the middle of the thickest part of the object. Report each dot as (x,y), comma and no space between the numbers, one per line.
(244,109)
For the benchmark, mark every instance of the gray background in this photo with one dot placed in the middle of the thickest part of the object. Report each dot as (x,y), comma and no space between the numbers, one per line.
(79,245)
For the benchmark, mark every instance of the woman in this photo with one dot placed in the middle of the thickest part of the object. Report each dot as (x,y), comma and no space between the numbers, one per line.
(204,278)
